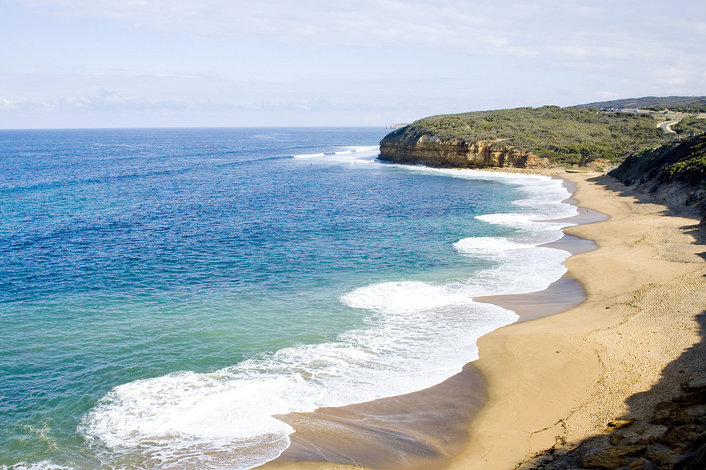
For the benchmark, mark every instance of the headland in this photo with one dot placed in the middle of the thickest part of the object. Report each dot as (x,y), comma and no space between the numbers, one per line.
(605,367)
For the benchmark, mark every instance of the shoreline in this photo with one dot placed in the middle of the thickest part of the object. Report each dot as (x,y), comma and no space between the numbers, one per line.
(563,378)
(403,431)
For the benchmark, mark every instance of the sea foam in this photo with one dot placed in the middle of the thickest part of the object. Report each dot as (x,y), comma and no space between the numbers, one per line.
(43,465)
(416,334)
(357,154)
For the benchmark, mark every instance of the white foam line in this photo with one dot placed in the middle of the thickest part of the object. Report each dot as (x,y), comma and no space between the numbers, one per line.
(362,154)
(43,465)
(417,334)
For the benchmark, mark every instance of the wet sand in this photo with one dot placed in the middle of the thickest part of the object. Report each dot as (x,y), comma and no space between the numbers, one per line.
(423,429)
(565,293)
(562,295)
(556,380)
(406,431)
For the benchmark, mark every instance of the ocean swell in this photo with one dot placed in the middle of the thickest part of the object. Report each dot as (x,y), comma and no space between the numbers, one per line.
(416,335)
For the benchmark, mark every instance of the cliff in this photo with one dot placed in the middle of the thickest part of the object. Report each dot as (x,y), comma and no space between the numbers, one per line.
(458,153)
(674,173)
(522,138)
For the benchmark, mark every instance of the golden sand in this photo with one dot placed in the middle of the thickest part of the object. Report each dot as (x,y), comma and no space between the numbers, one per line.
(557,380)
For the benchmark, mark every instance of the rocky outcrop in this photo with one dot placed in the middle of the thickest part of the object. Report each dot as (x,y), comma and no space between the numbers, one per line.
(458,153)
(674,438)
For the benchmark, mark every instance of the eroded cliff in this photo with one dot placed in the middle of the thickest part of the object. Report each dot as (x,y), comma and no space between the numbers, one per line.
(458,153)
(522,137)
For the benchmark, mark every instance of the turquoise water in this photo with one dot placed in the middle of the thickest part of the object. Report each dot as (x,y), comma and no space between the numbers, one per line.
(164,292)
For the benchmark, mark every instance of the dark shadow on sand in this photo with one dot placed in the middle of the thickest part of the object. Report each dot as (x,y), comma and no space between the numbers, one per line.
(673,434)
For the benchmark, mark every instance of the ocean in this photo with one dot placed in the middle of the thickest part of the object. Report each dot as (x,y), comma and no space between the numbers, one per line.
(164,293)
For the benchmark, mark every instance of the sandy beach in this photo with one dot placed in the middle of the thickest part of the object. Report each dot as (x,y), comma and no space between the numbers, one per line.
(560,379)
(557,380)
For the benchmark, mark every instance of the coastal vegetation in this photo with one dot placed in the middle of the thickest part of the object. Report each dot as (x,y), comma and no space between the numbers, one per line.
(677,169)
(653,160)
(693,108)
(686,104)
(690,125)
(685,161)
(565,136)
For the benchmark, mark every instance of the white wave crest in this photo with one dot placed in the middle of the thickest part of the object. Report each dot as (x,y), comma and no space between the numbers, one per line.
(43,465)
(185,417)
(408,296)
(360,154)
(417,334)
(488,246)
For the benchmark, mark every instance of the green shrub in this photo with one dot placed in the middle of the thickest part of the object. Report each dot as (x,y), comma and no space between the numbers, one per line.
(690,124)
(564,135)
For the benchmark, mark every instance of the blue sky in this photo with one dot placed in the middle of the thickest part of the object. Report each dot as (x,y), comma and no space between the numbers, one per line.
(142,63)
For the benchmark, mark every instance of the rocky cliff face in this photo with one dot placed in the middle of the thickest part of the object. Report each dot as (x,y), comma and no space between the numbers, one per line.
(457,153)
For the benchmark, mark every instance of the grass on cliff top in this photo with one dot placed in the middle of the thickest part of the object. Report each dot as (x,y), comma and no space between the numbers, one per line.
(564,135)
(685,162)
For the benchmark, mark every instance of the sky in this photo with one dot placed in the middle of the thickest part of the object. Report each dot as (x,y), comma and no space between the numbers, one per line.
(193,63)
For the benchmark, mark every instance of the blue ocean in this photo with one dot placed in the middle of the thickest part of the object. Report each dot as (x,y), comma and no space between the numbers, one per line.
(165,293)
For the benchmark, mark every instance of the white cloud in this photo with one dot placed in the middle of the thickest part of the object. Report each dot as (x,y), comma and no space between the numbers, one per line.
(403,58)
(606,95)
(7,104)
(587,30)
(675,76)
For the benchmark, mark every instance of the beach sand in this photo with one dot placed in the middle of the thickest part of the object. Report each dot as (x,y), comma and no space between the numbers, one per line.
(560,379)
(556,380)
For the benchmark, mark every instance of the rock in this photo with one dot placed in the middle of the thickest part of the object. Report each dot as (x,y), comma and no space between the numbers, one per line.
(642,464)
(458,153)
(660,455)
(620,423)
(645,436)
(652,434)
(695,385)
(676,435)
(612,457)
(695,414)
(664,412)
(615,439)
(695,462)
(683,416)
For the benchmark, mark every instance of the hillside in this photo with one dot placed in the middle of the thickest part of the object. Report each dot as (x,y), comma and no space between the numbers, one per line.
(675,173)
(689,104)
(522,137)
(690,125)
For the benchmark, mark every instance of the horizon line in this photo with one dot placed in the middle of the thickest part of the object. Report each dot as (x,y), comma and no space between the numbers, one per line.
(185,127)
